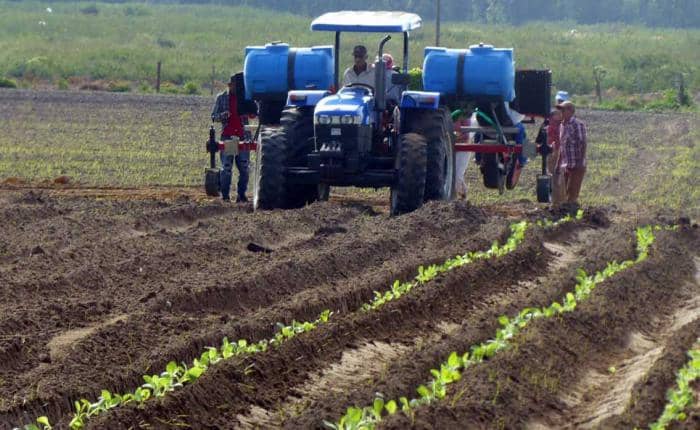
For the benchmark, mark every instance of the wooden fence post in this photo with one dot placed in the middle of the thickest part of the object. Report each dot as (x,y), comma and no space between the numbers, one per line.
(682,96)
(158,77)
(437,23)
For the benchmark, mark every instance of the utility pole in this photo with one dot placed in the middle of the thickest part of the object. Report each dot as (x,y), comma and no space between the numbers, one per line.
(437,23)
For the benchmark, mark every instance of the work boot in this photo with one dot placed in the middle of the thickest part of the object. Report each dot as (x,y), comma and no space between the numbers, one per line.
(241,199)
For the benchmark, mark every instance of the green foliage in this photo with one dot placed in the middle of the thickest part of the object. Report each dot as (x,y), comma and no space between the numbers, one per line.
(451,369)
(7,83)
(177,375)
(677,13)
(416,79)
(62,84)
(170,88)
(668,100)
(137,10)
(165,43)
(427,274)
(681,396)
(119,87)
(190,88)
(42,423)
(90,10)
(126,40)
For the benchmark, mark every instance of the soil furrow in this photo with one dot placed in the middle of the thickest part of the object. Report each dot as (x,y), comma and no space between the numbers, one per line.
(477,322)
(646,397)
(159,336)
(103,276)
(553,355)
(442,302)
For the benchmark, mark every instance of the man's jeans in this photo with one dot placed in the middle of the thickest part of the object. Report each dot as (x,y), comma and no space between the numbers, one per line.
(242,161)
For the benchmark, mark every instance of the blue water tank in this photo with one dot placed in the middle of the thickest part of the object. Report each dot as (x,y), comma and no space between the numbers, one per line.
(272,70)
(481,71)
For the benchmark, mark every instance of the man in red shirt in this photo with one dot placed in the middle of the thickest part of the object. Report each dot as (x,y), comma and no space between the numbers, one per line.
(226,112)
(573,142)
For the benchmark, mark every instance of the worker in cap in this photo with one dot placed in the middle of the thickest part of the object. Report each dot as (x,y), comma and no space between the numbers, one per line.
(361,72)
(226,112)
(573,143)
(562,96)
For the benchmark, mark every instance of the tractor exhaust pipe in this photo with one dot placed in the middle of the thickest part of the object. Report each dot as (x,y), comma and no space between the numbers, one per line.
(380,77)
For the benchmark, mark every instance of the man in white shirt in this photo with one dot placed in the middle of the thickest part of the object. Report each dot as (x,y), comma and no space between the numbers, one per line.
(361,72)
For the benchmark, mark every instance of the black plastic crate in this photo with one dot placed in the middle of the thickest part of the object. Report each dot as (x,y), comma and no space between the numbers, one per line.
(533,90)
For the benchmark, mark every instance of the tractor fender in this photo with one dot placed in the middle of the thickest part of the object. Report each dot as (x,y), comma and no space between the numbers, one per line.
(420,100)
(301,98)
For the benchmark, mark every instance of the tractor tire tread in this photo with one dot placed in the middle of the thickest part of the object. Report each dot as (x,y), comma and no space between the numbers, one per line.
(411,173)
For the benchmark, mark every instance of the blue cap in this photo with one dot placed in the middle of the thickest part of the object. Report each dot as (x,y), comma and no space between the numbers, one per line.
(563,96)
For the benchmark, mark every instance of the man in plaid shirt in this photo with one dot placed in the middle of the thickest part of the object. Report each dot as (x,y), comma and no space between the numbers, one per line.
(572,153)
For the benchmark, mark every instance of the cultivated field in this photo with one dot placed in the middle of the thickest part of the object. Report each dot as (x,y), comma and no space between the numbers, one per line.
(122,42)
(638,161)
(125,266)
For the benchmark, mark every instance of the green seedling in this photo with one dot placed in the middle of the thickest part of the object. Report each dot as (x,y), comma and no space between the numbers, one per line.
(176,376)
(450,370)
(681,396)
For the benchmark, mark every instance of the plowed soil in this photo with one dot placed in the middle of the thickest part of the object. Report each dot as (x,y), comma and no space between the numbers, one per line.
(99,287)
(97,290)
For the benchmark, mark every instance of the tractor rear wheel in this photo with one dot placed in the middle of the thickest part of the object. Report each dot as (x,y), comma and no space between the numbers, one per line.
(492,172)
(324,192)
(270,189)
(269,113)
(298,125)
(282,148)
(438,130)
(411,164)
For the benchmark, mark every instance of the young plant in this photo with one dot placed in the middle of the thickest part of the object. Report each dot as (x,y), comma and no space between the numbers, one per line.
(176,376)
(451,370)
(682,394)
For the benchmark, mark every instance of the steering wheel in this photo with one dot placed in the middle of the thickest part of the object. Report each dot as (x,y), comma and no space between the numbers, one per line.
(369,88)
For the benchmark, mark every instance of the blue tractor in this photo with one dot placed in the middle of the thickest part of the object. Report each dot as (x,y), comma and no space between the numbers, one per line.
(317,135)
(352,136)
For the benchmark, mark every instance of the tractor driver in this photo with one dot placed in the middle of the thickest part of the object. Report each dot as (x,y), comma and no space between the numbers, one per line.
(361,72)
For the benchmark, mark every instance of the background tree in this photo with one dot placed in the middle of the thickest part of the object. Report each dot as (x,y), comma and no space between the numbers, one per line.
(599,73)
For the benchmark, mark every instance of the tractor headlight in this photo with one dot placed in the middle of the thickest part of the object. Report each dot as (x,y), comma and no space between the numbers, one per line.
(323,119)
(351,119)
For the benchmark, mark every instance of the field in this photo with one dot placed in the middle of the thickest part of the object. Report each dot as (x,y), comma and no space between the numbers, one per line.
(639,161)
(107,45)
(115,266)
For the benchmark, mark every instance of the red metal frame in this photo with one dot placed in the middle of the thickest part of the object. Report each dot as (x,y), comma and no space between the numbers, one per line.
(244,145)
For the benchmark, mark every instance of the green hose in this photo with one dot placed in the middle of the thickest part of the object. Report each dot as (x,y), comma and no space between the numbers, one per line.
(456,114)
(493,123)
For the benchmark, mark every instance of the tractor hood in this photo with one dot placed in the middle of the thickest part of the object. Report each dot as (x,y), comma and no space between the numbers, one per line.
(353,102)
